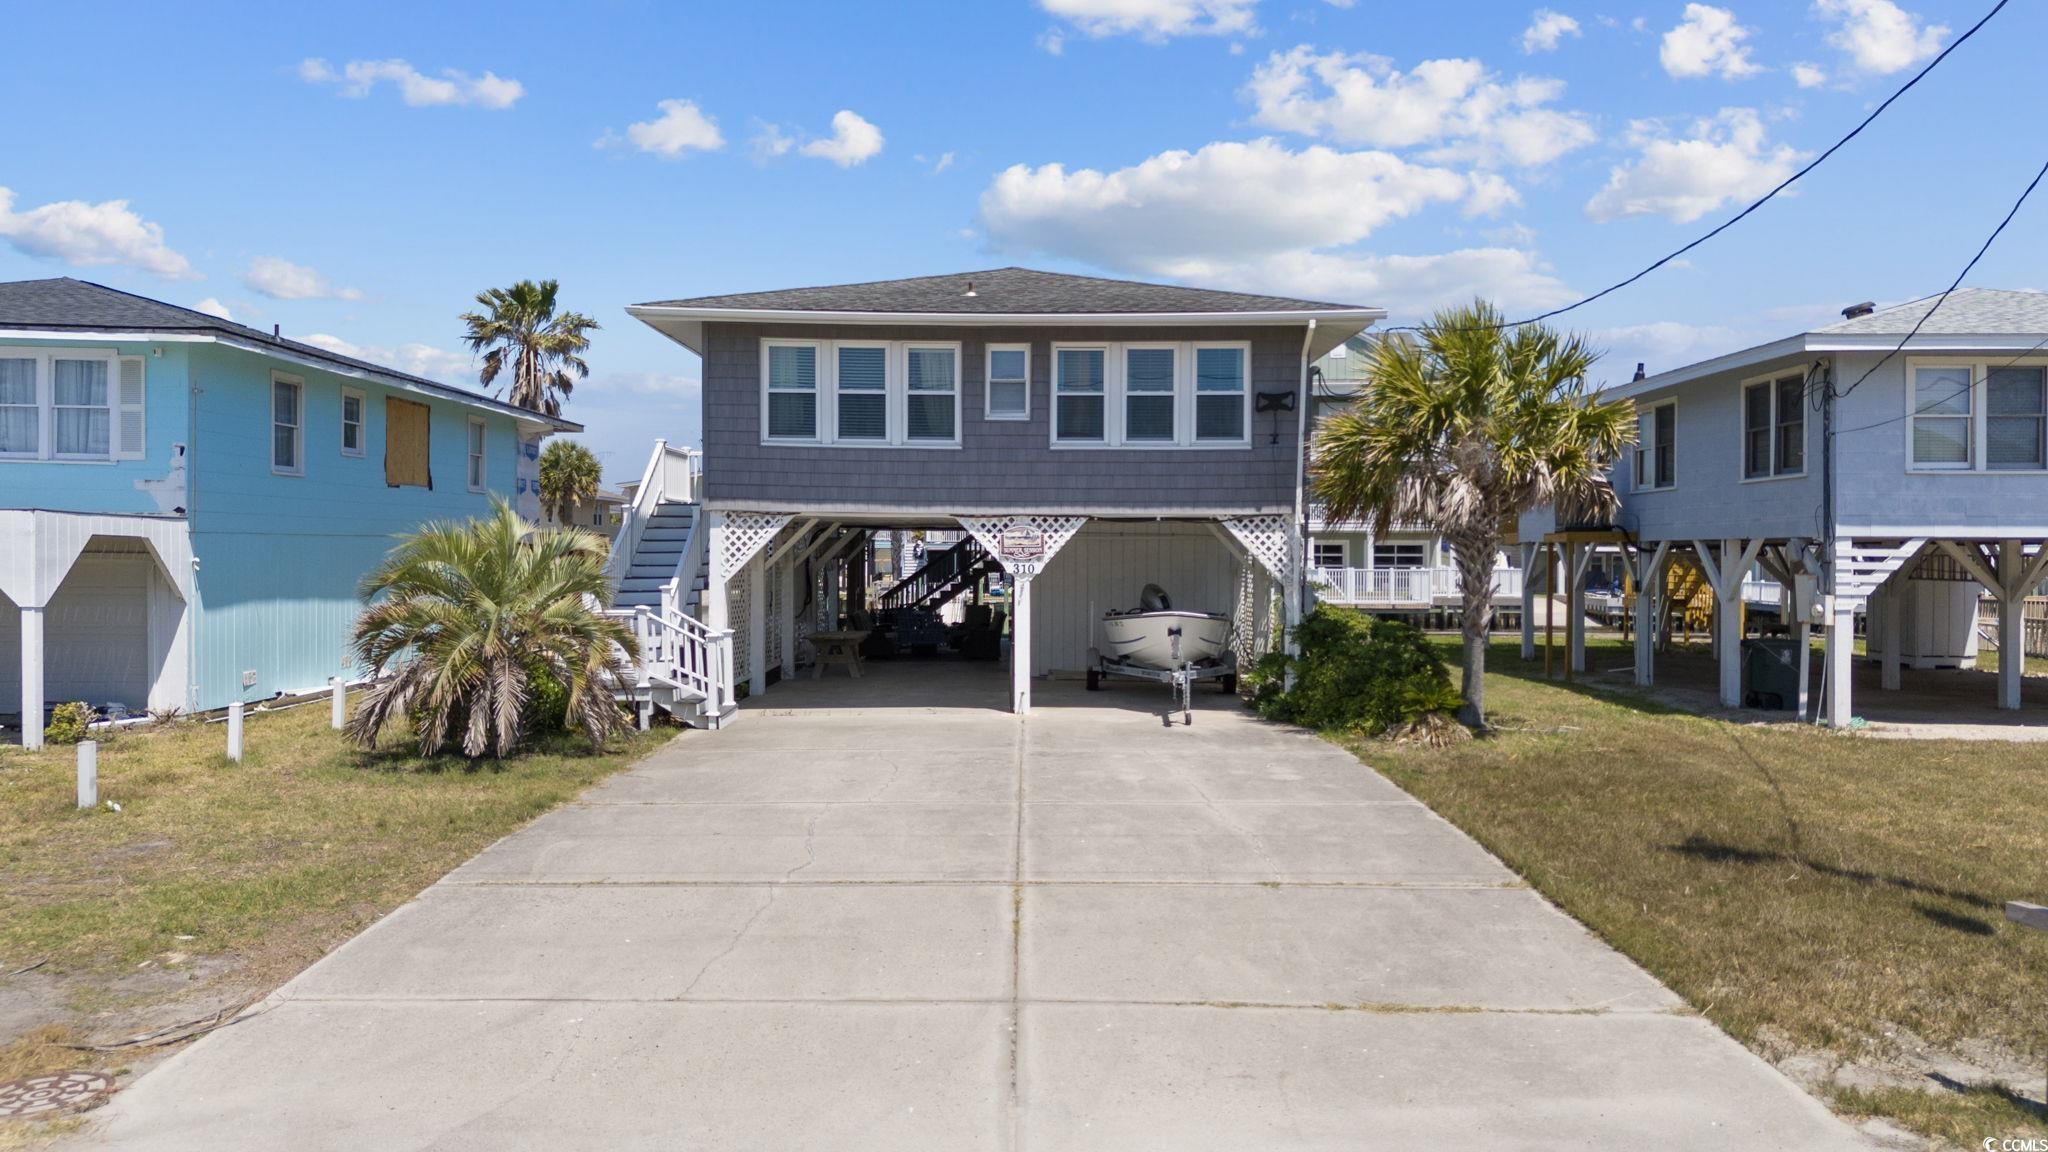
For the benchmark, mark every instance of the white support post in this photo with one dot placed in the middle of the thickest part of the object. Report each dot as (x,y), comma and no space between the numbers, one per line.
(337,710)
(1020,645)
(757,626)
(31,677)
(1529,554)
(1893,635)
(1802,633)
(643,698)
(1841,651)
(788,599)
(2012,623)
(88,774)
(235,731)
(1728,622)
(1649,590)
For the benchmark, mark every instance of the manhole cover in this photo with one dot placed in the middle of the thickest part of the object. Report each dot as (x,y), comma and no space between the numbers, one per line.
(51,1093)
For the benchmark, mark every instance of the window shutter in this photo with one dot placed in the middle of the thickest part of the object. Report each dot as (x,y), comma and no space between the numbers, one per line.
(129,440)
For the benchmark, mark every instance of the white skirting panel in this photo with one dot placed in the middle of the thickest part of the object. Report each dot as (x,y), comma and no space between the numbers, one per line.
(1106,565)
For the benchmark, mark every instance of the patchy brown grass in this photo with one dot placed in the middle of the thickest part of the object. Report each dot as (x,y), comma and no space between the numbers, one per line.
(1807,891)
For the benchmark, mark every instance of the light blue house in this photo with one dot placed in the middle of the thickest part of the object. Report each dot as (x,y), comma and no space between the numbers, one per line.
(187,504)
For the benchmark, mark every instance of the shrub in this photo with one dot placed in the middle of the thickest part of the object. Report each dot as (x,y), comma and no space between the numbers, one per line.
(68,723)
(1354,674)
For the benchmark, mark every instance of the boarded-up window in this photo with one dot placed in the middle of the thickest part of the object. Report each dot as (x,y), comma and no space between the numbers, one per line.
(405,443)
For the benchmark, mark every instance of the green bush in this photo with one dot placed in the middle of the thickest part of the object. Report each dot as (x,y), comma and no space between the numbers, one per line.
(547,705)
(1354,674)
(67,723)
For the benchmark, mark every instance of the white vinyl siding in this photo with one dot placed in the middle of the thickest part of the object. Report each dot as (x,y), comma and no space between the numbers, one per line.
(478,439)
(287,425)
(1656,446)
(1152,395)
(70,405)
(877,394)
(351,422)
(1009,382)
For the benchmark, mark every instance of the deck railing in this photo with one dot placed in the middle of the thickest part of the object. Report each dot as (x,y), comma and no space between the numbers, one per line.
(1402,587)
(680,652)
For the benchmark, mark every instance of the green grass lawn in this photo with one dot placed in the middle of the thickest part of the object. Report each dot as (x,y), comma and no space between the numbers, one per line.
(235,875)
(1807,891)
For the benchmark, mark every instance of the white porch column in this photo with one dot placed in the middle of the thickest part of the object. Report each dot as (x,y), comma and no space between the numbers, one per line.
(715,609)
(31,676)
(788,597)
(1802,634)
(1529,553)
(1841,652)
(2012,623)
(1020,645)
(1893,634)
(1023,545)
(1649,590)
(757,625)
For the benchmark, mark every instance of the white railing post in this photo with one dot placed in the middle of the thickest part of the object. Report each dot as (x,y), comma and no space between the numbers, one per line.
(88,774)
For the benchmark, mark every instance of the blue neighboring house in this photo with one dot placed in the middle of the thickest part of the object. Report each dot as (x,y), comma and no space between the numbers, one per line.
(187,504)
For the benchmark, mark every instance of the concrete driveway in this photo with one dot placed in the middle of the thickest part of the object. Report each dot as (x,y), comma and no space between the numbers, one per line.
(949,929)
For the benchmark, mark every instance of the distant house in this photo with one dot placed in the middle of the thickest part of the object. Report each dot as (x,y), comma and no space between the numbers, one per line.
(187,504)
(599,514)
(1893,464)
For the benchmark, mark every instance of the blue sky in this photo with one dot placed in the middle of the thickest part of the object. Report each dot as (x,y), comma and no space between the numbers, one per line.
(358,173)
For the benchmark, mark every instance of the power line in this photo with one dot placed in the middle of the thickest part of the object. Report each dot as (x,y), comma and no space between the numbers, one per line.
(1761,201)
(1931,405)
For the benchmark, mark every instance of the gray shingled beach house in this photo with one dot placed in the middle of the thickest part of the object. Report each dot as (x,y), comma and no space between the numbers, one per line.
(1089,435)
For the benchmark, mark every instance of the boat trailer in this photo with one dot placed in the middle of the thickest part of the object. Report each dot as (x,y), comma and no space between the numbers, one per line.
(1182,677)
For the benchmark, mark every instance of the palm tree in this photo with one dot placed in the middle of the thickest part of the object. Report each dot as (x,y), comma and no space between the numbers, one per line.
(546,350)
(569,475)
(1471,424)
(466,621)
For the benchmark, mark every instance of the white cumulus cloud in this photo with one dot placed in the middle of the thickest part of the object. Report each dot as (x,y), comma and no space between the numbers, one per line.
(280,279)
(681,128)
(853,141)
(1878,35)
(1726,157)
(1413,286)
(91,235)
(414,359)
(213,307)
(1156,20)
(1809,75)
(1546,30)
(1707,42)
(451,88)
(1457,106)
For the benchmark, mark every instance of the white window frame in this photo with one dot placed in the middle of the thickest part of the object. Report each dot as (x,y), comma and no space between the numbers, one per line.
(1979,369)
(1982,380)
(1775,470)
(888,435)
(1420,548)
(1646,483)
(825,429)
(1115,397)
(298,430)
(988,380)
(476,446)
(46,404)
(1315,553)
(362,422)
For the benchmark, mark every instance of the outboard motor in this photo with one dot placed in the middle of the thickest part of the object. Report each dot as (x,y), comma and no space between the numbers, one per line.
(1154,599)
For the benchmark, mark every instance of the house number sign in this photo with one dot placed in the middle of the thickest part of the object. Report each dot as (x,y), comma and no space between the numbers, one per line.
(1021,548)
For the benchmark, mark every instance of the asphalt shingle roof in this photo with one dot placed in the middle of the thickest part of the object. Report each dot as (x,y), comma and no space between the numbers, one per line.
(65,304)
(1005,290)
(1966,312)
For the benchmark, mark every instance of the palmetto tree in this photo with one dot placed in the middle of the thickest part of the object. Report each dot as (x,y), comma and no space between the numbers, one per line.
(1462,428)
(569,475)
(545,349)
(464,621)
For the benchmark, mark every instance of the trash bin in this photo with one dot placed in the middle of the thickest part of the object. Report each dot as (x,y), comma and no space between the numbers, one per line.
(1770,674)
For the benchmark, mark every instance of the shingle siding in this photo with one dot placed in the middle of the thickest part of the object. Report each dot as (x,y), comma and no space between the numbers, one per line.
(1001,465)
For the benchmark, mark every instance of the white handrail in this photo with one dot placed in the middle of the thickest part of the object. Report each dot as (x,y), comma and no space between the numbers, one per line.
(671,474)
(683,653)
(1403,587)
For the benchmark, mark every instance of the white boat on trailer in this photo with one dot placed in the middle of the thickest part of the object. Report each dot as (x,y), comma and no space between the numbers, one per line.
(1157,642)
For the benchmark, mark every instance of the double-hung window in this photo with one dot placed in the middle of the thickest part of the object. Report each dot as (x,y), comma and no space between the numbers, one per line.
(860,393)
(1977,415)
(1656,446)
(1152,395)
(478,438)
(21,410)
(1079,384)
(1943,416)
(351,422)
(1774,427)
(82,410)
(1009,382)
(2013,411)
(287,425)
(70,404)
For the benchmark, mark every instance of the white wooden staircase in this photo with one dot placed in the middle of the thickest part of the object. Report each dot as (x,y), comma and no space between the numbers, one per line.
(659,569)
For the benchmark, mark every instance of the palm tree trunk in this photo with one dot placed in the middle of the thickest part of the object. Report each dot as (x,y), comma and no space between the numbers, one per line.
(1474,552)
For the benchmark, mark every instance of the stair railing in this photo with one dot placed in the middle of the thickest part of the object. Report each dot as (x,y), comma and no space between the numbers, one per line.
(681,652)
(938,572)
(671,474)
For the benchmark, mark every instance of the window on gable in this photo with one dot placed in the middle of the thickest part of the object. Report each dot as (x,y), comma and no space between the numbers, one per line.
(1774,427)
(286,425)
(1656,449)
(1149,381)
(20,409)
(1009,382)
(351,422)
(2014,407)
(1078,391)
(863,391)
(792,392)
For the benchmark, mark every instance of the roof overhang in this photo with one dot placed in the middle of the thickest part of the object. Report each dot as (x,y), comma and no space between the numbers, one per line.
(685,325)
(527,418)
(1824,343)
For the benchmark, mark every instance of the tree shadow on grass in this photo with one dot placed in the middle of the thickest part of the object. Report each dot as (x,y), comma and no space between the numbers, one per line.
(2016,1100)
(1699,847)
